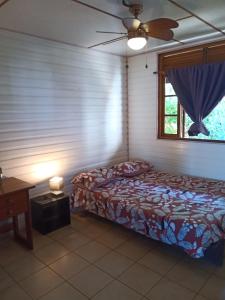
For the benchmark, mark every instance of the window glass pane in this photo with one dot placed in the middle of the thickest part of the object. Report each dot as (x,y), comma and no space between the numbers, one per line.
(170,125)
(169,89)
(171,105)
(215,123)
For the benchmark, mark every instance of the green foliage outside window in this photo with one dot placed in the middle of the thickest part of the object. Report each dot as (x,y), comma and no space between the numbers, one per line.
(214,122)
(170,125)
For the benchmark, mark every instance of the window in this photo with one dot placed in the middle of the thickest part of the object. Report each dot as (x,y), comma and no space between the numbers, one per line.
(171,111)
(173,121)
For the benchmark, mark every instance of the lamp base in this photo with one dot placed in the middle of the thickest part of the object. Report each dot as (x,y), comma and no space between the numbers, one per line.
(57,193)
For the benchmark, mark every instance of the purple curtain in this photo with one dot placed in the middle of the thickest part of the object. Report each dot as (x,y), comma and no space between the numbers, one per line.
(199,89)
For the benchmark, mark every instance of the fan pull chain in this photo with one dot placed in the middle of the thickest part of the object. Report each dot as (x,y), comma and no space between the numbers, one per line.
(146,65)
(126,52)
(146,57)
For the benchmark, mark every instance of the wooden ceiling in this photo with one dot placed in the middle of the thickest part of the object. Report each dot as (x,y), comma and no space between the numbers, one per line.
(70,22)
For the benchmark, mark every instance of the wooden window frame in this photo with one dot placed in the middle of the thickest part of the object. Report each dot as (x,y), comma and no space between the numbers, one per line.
(205,53)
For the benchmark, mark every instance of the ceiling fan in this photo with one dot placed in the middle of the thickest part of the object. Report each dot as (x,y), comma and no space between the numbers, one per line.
(137,32)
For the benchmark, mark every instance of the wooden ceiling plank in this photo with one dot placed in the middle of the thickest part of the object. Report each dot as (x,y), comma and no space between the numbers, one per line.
(184,18)
(196,16)
(108,42)
(97,9)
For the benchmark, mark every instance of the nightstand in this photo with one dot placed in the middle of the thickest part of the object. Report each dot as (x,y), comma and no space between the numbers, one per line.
(50,212)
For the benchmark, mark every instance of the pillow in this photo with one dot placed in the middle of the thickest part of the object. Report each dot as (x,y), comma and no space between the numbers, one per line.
(132,168)
(94,178)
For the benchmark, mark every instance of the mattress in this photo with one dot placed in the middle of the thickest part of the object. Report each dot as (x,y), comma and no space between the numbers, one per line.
(178,210)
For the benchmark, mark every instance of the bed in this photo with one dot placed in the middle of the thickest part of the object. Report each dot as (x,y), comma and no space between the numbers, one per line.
(185,211)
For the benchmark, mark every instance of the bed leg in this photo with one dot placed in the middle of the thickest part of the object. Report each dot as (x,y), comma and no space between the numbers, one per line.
(215,253)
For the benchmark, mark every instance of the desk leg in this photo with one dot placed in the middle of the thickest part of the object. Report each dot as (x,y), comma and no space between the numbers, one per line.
(28,223)
(15,226)
(28,240)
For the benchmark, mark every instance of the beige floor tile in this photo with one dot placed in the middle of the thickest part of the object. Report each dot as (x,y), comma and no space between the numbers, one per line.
(107,224)
(14,292)
(74,241)
(11,252)
(188,276)
(90,281)
(220,271)
(79,223)
(76,225)
(24,267)
(114,263)
(64,292)
(203,264)
(93,251)
(168,290)
(6,238)
(117,291)
(61,233)
(134,248)
(199,297)
(82,217)
(95,230)
(90,225)
(120,228)
(214,288)
(5,280)
(41,283)
(50,253)
(40,241)
(69,265)
(159,260)
(114,237)
(140,278)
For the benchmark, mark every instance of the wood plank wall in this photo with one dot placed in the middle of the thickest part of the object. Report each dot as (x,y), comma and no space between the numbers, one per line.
(62,109)
(186,157)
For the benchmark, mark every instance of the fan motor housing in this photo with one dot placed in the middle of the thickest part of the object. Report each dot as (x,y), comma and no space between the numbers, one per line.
(137,33)
(136,9)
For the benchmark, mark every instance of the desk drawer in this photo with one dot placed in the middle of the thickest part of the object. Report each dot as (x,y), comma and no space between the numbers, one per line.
(13,204)
(3,214)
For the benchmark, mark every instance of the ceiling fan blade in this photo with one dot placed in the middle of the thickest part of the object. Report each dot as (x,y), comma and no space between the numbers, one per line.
(125,3)
(110,32)
(4,2)
(160,24)
(131,24)
(97,9)
(165,35)
(109,42)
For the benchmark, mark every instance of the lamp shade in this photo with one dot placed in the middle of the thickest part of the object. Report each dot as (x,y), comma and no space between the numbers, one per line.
(56,183)
(136,43)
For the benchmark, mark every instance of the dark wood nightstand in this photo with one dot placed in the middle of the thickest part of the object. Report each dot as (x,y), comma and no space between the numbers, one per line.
(50,212)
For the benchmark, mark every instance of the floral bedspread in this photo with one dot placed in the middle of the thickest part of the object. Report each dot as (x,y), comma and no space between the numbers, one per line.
(179,210)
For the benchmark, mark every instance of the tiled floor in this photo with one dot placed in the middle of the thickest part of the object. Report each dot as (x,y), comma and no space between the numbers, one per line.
(95,259)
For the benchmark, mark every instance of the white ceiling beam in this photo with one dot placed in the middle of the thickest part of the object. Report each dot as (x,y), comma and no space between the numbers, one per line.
(196,16)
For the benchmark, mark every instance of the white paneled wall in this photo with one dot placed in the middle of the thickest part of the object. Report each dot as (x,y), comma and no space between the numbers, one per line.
(62,109)
(195,158)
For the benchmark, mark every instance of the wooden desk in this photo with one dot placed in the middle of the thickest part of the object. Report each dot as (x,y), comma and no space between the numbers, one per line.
(14,200)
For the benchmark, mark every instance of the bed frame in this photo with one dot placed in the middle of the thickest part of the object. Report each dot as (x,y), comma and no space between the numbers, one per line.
(215,253)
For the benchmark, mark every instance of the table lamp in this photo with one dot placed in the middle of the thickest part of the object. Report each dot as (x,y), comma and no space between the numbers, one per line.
(56,185)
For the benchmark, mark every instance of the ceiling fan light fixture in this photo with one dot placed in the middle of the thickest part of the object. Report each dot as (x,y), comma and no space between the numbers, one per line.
(137,39)
(137,43)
